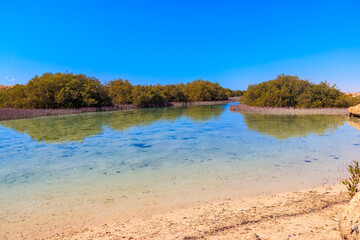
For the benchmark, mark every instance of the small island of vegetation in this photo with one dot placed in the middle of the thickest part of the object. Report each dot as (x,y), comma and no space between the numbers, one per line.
(291,91)
(291,95)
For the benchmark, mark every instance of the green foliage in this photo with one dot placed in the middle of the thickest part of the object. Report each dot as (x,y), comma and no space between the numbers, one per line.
(290,91)
(200,90)
(13,97)
(235,93)
(120,91)
(59,90)
(174,93)
(147,95)
(352,182)
(67,90)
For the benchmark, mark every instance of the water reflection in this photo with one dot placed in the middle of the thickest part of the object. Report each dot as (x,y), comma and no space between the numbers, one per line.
(354,122)
(78,127)
(290,126)
(199,115)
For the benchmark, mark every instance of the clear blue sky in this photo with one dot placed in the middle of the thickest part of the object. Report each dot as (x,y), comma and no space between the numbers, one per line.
(235,43)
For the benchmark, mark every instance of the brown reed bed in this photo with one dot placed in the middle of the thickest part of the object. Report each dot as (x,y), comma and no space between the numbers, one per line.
(289,111)
(13,113)
(184,104)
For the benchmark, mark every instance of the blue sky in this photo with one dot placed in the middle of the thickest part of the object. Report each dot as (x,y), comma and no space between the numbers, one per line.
(235,43)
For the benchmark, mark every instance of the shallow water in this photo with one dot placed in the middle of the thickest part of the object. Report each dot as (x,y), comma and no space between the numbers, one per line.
(150,159)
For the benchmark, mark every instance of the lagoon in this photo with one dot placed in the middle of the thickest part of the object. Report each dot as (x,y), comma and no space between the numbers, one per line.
(66,171)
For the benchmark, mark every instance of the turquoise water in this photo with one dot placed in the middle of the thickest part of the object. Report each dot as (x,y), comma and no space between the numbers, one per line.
(156,158)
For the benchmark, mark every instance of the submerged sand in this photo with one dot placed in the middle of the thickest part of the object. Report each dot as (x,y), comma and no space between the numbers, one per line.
(308,214)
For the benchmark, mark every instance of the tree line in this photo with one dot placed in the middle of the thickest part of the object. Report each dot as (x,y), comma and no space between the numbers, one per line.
(68,90)
(291,91)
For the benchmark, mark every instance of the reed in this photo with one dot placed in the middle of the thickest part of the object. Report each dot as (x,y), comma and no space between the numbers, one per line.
(198,103)
(14,113)
(289,111)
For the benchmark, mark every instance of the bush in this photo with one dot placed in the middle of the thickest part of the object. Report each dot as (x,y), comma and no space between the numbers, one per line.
(67,90)
(290,91)
(174,93)
(146,95)
(120,91)
(235,93)
(352,182)
(200,90)
(59,90)
(14,97)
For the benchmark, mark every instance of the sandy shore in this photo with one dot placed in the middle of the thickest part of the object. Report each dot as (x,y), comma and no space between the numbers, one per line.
(308,214)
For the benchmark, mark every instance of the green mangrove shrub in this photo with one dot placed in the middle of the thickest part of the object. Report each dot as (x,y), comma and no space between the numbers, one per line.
(352,183)
(291,91)
(68,90)
(59,90)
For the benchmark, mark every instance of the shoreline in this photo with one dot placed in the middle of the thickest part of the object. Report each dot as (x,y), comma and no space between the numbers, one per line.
(313,213)
(289,111)
(13,113)
(305,214)
(310,213)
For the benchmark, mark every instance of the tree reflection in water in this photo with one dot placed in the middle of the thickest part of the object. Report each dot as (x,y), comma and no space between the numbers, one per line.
(72,128)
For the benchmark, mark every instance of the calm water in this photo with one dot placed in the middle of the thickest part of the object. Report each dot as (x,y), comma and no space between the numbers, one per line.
(156,158)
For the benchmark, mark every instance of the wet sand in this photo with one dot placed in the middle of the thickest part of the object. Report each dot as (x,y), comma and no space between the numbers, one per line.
(308,214)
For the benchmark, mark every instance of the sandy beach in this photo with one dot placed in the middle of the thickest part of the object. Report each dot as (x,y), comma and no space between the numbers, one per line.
(308,214)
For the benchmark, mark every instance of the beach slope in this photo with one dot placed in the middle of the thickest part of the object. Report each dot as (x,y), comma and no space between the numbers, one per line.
(310,214)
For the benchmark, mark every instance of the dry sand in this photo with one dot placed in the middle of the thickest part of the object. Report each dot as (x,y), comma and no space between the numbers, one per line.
(309,214)
(3,86)
(356,94)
